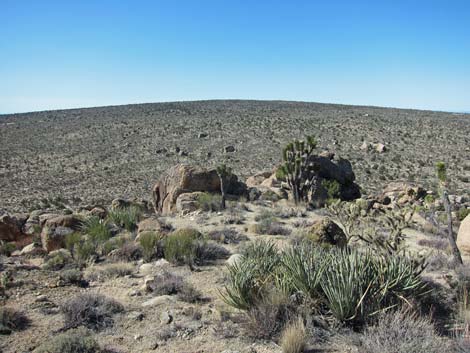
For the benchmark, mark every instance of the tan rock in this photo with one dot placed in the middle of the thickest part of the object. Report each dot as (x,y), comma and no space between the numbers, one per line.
(149,225)
(182,179)
(463,236)
(257,179)
(188,202)
(56,229)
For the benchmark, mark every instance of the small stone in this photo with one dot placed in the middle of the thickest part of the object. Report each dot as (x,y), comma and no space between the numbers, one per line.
(134,293)
(156,301)
(229,149)
(135,315)
(201,135)
(166,318)
(138,337)
(41,298)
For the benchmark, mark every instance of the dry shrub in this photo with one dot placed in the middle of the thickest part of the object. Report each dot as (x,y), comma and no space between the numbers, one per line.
(168,283)
(266,319)
(294,337)
(74,341)
(12,320)
(93,311)
(403,332)
(108,271)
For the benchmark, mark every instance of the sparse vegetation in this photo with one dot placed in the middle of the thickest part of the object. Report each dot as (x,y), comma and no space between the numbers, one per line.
(294,337)
(12,320)
(126,217)
(93,311)
(148,242)
(73,341)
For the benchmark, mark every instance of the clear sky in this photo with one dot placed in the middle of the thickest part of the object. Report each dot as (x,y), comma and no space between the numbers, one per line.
(79,53)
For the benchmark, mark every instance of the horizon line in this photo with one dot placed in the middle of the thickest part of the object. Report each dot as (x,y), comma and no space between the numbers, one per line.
(462,112)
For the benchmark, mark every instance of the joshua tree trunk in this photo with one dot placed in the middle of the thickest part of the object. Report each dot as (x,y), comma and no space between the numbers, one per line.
(450,233)
(222,191)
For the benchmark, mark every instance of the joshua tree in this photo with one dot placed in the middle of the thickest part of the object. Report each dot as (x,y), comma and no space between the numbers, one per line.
(297,168)
(442,176)
(224,173)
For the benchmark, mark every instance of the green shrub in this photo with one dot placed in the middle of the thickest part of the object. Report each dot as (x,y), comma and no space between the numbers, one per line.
(209,202)
(429,199)
(180,246)
(148,242)
(126,217)
(71,240)
(72,276)
(463,212)
(73,341)
(97,230)
(84,252)
(57,260)
(332,187)
(12,320)
(7,248)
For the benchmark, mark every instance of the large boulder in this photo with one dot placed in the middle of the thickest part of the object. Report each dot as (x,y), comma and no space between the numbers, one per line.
(187,179)
(327,232)
(56,229)
(332,169)
(11,227)
(463,236)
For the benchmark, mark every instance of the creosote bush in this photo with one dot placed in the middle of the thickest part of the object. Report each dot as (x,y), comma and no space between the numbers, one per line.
(108,271)
(93,311)
(180,246)
(73,341)
(402,332)
(168,283)
(57,260)
(209,202)
(12,320)
(148,242)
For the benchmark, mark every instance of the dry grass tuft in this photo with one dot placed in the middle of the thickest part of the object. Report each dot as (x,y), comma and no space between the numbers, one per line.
(294,337)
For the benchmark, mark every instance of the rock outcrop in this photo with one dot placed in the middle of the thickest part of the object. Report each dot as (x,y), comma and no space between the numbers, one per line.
(11,227)
(182,179)
(56,229)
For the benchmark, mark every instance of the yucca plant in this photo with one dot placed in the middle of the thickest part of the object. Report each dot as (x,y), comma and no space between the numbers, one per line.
(242,290)
(346,283)
(96,229)
(249,278)
(302,269)
(126,217)
(398,280)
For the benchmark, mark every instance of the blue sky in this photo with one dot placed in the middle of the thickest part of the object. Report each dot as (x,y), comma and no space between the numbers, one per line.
(63,54)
